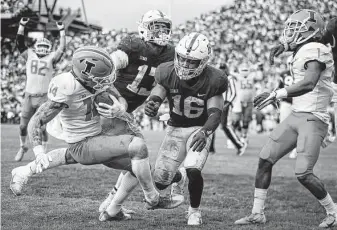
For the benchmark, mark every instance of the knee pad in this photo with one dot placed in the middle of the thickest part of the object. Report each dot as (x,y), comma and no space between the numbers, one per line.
(137,148)
(193,174)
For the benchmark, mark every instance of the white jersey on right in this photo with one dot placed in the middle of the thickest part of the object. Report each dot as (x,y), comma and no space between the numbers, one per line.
(318,100)
(334,99)
(39,72)
(80,119)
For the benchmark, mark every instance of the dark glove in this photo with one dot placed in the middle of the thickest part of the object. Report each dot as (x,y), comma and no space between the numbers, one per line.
(275,52)
(151,108)
(199,141)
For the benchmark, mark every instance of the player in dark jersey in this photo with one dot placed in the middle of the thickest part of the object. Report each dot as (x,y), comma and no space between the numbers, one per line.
(136,60)
(194,92)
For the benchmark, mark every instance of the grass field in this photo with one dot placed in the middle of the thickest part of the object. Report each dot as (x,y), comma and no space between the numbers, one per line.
(68,197)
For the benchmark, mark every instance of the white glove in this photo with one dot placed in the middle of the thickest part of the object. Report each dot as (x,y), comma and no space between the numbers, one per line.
(24,21)
(111,111)
(41,159)
(60,25)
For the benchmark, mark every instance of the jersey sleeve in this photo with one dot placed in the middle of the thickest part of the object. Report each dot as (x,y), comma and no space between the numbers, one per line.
(159,75)
(221,86)
(316,52)
(129,44)
(58,90)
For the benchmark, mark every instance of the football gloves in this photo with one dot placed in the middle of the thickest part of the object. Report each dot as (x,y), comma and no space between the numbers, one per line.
(60,26)
(275,52)
(24,21)
(199,141)
(111,111)
(151,108)
(42,162)
(264,99)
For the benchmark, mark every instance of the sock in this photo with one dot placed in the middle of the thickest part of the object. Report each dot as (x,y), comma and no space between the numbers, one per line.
(44,144)
(192,210)
(195,188)
(119,180)
(58,157)
(23,140)
(141,168)
(128,183)
(328,204)
(260,196)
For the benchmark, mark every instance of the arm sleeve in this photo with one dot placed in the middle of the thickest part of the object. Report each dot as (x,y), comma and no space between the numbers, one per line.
(20,43)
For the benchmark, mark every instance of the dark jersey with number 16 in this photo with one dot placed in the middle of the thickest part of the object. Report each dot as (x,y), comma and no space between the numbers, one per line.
(136,81)
(188,104)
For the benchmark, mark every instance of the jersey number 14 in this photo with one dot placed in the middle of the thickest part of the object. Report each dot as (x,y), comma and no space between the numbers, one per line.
(134,86)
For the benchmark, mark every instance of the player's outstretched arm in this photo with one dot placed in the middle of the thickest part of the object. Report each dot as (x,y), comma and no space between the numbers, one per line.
(62,48)
(214,110)
(158,94)
(20,36)
(36,127)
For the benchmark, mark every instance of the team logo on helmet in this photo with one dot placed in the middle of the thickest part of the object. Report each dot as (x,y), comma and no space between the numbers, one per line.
(94,66)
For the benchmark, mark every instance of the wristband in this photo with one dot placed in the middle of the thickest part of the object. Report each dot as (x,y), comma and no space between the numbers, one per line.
(39,149)
(281,93)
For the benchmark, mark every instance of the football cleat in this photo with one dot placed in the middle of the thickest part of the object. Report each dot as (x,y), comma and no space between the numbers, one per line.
(329,221)
(254,218)
(104,216)
(166,202)
(194,218)
(20,177)
(104,205)
(23,149)
(242,149)
(178,187)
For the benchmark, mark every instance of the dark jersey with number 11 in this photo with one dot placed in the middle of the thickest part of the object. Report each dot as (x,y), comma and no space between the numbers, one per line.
(136,81)
(188,104)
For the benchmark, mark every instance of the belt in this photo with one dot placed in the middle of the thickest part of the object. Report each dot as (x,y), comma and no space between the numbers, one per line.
(35,94)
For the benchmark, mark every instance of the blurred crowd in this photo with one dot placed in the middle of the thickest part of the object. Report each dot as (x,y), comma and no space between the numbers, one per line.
(244,31)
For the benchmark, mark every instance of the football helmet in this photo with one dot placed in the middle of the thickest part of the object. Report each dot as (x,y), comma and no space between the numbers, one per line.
(191,55)
(42,47)
(244,69)
(93,66)
(302,26)
(156,27)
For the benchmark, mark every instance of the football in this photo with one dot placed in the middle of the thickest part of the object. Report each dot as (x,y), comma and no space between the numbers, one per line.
(103,97)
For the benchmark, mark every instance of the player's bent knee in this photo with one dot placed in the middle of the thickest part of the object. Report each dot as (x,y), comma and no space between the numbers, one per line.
(23,128)
(69,158)
(305,178)
(193,174)
(163,178)
(137,148)
(161,186)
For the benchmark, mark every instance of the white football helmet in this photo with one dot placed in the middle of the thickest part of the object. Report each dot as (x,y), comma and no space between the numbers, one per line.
(156,27)
(42,47)
(191,55)
(93,66)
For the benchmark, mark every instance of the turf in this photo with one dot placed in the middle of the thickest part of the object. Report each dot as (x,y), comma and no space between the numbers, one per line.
(68,197)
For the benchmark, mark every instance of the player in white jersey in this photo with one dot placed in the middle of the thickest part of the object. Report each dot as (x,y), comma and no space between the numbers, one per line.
(312,67)
(40,62)
(71,97)
(246,93)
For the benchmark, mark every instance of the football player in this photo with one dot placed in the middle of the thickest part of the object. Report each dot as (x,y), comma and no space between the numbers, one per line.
(71,95)
(229,96)
(40,62)
(246,92)
(194,92)
(136,60)
(307,125)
